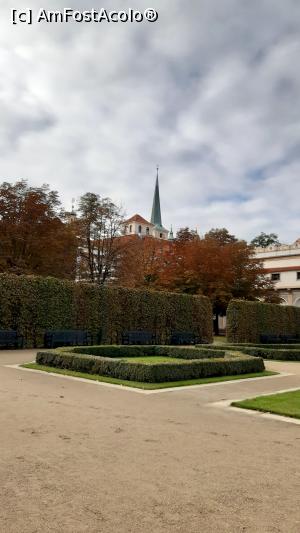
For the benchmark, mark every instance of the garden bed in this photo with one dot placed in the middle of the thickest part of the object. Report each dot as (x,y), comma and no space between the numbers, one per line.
(179,364)
(143,385)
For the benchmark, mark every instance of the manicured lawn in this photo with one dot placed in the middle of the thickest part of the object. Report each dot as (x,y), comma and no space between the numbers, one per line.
(285,404)
(220,339)
(155,359)
(139,385)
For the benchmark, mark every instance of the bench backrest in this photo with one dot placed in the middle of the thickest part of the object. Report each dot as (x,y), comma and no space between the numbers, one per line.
(65,338)
(183,338)
(138,337)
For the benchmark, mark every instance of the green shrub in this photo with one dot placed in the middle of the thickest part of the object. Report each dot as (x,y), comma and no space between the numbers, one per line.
(247,321)
(180,352)
(114,351)
(281,352)
(273,353)
(31,305)
(156,373)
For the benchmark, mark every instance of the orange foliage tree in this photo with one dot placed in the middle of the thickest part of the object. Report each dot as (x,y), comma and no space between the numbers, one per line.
(140,262)
(35,235)
(218,266)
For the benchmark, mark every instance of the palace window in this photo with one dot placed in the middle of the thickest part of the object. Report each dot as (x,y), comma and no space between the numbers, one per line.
(160,235)
(275,277)
(140,229)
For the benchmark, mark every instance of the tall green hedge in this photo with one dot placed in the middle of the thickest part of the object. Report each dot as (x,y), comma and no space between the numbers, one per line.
(31,305)
(246,321)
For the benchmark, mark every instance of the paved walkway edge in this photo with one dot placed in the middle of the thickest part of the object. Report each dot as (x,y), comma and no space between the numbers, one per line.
(226,404)
(157,391)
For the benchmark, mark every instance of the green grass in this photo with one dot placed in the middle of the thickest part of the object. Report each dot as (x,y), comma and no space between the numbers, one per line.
(139,385)
(285,404)
(155,359)
(219,339)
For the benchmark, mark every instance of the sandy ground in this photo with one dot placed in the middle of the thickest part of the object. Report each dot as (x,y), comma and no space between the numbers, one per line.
(78,457)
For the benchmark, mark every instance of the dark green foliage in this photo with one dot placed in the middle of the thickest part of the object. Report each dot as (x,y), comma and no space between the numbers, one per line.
(264,240)
(280,352)
(246,321)
(156,373)
(31,305)
(144,351)
(114,351)
(273,353)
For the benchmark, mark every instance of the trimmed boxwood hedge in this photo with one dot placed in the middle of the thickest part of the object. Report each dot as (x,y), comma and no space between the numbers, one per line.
(272,353)
(32,304)
(156,373)
(281,352)
(144,351)
(247,321)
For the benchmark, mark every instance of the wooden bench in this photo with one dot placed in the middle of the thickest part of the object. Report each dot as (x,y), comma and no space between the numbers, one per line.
(183,338)
(56,338)
(11,339)
(279,339)
(269,339)
(290,339)
(138,337)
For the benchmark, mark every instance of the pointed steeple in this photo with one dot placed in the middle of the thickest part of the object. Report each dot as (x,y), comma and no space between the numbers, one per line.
(171,234)
(156,213)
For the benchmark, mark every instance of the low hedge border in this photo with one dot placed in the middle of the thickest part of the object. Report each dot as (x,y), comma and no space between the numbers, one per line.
(283,352)
(273,353)
(158,373)
(258,345)
(143,351)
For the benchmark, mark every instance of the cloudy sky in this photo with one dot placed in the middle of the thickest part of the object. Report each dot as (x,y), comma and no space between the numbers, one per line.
(211,92)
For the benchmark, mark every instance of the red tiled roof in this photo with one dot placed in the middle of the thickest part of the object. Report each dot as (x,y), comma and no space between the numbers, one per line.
(139,219)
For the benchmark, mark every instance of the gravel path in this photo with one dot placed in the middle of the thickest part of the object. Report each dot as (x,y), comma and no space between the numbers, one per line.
(78,457)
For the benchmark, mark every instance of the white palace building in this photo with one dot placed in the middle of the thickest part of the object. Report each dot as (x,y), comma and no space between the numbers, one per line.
(282,264)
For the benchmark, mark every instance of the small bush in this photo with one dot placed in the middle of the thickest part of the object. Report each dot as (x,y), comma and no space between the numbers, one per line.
(157,373)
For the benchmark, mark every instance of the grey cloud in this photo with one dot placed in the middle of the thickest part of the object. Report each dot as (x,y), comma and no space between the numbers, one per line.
(210,92)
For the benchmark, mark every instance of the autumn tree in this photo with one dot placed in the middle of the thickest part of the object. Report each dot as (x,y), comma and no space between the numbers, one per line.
(99,230)
(35,236)
(218,266)
(141,262)
(220,235)
(186,234)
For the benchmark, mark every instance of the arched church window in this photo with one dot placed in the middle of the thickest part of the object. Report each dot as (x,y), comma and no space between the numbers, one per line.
(147,231)
(130,228)
(140,229)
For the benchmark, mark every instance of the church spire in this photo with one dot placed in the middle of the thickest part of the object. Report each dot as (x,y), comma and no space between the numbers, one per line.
(156,213)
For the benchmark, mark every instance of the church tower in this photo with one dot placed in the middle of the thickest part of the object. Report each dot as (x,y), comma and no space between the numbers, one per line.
(137,225)
(159,232)
(156,212)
